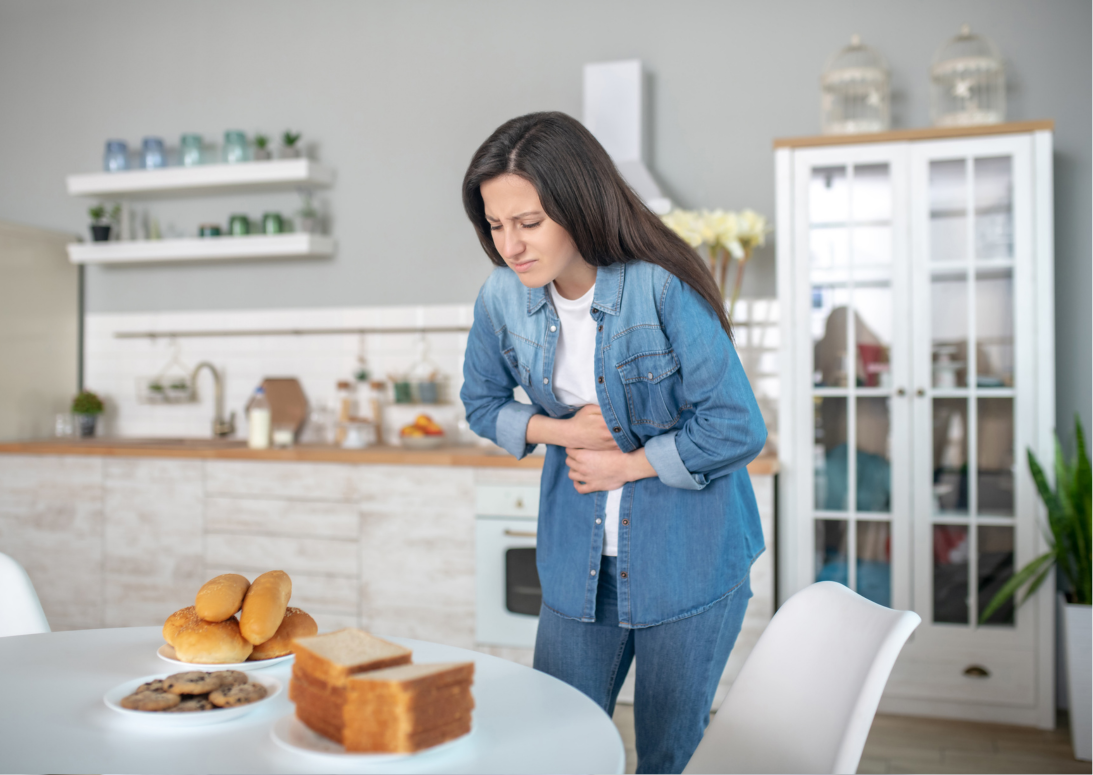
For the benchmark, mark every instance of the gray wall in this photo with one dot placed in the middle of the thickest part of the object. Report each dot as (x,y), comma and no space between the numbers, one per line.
(397,95)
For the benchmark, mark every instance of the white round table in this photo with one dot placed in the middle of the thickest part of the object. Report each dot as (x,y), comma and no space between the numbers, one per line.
(52,717)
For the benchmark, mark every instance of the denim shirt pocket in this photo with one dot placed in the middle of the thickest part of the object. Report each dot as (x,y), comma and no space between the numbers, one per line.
(654,388)
(521,372)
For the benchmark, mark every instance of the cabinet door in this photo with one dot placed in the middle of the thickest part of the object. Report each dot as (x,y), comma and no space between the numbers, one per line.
(851,275)
(973,377)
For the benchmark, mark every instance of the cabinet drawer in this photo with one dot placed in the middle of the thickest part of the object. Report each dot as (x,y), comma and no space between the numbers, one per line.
(1011,679)
(507,500)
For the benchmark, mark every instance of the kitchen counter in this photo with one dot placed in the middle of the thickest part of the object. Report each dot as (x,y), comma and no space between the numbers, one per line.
(215,449)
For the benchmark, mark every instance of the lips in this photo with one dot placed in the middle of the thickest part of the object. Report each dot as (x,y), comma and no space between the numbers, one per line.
(523,266)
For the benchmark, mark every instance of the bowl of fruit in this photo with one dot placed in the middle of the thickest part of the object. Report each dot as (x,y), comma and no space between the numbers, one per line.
(422,433)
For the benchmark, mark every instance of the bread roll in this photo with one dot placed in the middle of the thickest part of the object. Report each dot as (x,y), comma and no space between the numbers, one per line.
(212,643)
(221,598)
(177,621)
(264,606)
(296,624)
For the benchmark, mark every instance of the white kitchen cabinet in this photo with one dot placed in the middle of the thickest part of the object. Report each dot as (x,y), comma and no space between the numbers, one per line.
(916,283)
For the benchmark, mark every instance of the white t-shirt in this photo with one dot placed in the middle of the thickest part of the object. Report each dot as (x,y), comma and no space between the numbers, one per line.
(575,382)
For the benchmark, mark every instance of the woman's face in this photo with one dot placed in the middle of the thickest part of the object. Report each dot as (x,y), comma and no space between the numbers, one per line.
(538,249)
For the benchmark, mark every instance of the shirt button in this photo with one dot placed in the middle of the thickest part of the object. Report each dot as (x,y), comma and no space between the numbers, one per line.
(649,375)
(617,429)
(546,381)
(600,380)
(592,573)
(598,520)
(554,328)
(623,574)
(595,311)
(626,522)
(600,328)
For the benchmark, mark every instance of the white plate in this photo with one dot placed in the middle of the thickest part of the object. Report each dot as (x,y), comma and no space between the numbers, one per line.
(113,698)
(293,735)
(167,654)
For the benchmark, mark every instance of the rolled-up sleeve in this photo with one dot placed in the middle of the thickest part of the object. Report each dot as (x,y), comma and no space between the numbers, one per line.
(492,412)
(726,431)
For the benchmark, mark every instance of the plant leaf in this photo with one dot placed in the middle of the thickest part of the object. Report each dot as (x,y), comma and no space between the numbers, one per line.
(1035,585)
(1009,589)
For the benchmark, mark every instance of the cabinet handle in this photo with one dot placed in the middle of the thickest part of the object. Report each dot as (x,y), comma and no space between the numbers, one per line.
(920,392)
(901,392)
(520,533)
(519,503)
(977,671)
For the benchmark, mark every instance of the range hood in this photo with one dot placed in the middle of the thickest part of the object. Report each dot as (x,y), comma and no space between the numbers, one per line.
(614,112)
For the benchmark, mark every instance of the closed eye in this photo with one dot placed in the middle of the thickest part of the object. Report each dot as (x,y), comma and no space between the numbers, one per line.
(531,225)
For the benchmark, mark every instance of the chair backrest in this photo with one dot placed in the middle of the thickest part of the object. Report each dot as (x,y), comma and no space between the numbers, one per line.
(20,611)
(805,699)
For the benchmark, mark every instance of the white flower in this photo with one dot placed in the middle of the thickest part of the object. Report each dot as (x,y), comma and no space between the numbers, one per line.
(753,230)
(685,224)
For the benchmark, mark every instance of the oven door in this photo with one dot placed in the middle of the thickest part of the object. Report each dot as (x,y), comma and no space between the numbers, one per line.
(508,593)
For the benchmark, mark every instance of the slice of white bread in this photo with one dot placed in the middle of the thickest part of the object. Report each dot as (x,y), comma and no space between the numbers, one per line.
(334,656)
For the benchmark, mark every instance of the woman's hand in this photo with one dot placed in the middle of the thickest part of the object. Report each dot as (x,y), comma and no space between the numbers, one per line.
(585,430)
(598,470)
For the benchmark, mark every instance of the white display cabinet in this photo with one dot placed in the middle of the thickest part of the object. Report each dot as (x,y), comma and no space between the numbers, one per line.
(915,278)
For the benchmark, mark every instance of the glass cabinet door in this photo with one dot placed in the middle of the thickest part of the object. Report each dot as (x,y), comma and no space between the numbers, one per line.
(965,266)
(852,247)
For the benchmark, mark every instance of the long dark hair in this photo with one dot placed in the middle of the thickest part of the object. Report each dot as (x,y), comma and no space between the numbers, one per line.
(583,192)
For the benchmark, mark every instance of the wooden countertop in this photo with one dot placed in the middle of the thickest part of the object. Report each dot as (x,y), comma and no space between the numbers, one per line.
(474,457)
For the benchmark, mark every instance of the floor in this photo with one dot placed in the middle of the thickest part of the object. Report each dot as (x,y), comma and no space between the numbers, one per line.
(902,744)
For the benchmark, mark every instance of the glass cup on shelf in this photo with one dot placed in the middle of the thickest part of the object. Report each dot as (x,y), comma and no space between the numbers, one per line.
(116,157)
(239,225)
(235,147)
(152,155)
(189,150)
(63,426)
(272,223)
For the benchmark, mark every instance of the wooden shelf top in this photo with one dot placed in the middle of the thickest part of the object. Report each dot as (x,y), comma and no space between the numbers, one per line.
(910,135)
(211,449)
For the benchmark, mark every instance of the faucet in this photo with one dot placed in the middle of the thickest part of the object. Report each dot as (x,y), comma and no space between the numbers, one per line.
(221,427)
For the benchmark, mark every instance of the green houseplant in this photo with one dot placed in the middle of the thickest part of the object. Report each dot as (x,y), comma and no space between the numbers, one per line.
(87,407)
(101,220)
(289,147)
(261,148)
(1069,516)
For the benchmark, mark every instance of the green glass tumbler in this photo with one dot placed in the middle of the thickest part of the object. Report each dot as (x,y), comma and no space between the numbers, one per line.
(239,225)
(272,223)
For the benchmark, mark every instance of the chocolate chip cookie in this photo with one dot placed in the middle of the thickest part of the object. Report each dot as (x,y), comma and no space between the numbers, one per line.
(192,682)
(231,677)
(150,701)
(230,696)
(191,704)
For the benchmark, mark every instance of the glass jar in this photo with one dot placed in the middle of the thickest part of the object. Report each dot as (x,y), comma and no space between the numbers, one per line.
(239,225)
(152,155)
(189,150)
(272,223)
(116,157)
(235,147)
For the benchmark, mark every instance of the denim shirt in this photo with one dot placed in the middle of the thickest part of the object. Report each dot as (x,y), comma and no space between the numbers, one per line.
(667,379)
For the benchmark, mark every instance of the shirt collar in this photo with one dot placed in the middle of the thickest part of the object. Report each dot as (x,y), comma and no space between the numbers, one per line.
(608,296)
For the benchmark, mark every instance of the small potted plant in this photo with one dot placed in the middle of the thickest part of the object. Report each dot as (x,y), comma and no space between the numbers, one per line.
(87,407)
(261,148)
(309,216)
(289,147)
(101,220)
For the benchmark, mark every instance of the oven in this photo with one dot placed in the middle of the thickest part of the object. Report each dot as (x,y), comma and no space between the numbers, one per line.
(507,583)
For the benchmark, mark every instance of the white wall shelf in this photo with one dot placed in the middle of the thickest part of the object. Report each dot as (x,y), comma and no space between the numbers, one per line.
(202,249)
(255,176)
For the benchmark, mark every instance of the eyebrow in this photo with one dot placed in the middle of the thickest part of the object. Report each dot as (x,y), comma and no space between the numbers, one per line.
(517,216)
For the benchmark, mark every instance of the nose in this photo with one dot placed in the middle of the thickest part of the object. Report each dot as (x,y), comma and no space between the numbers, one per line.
(508,243)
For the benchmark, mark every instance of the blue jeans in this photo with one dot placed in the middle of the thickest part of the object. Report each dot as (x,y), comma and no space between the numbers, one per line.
(679,666)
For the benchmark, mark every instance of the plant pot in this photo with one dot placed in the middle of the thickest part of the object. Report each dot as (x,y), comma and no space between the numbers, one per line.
(309,224)
(86,424)
(100,232)
(262,154)
(289,152)
(1078,637)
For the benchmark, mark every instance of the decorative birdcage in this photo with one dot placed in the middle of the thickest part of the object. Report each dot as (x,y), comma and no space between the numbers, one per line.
(856,91)
(969,82)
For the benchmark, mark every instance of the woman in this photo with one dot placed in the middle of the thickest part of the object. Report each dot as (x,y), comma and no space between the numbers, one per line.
(617,333)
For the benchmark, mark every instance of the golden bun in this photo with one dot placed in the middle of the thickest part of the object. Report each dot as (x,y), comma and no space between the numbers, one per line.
(177,621)
(264,606)
(212,643)
(296,624)
(222,597)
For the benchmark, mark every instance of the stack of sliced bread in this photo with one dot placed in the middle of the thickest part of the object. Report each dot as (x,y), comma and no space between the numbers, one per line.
(362,691)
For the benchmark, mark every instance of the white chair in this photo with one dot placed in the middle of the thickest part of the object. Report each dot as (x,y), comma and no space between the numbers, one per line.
(807,694)
(20,611)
